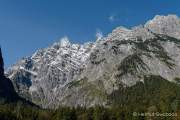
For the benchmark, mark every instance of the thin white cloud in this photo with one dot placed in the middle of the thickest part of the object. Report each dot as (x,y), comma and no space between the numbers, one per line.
(113,18)
(99,34)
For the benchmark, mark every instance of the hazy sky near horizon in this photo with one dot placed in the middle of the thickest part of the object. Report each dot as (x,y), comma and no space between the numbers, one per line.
(27,25)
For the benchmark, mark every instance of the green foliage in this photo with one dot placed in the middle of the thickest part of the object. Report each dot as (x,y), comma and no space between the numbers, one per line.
(156,94)
(74,84)
(12,112)
(132,64)
(154,46)
(77,83)
(177,80)
(149,48)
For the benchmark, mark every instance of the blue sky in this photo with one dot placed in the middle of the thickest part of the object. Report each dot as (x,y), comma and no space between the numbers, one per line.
(27,25)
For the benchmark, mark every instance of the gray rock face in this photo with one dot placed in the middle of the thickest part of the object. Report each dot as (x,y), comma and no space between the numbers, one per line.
(169,25)
(72,74)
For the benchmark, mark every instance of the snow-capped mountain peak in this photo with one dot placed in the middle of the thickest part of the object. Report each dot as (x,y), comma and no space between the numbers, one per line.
(72,74)
(64,42)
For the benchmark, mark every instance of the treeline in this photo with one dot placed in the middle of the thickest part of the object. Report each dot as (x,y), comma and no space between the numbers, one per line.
(138,102)
(21,112)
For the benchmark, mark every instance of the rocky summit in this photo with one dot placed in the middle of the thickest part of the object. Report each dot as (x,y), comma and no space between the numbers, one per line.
(86,75)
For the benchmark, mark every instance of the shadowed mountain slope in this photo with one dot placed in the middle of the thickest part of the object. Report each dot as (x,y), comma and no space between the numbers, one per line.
(7,91)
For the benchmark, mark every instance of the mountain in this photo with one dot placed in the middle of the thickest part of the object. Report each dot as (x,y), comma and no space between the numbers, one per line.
(86,75)
(7,91)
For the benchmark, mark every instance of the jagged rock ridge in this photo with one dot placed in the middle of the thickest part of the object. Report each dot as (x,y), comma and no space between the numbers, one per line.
(72,74)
